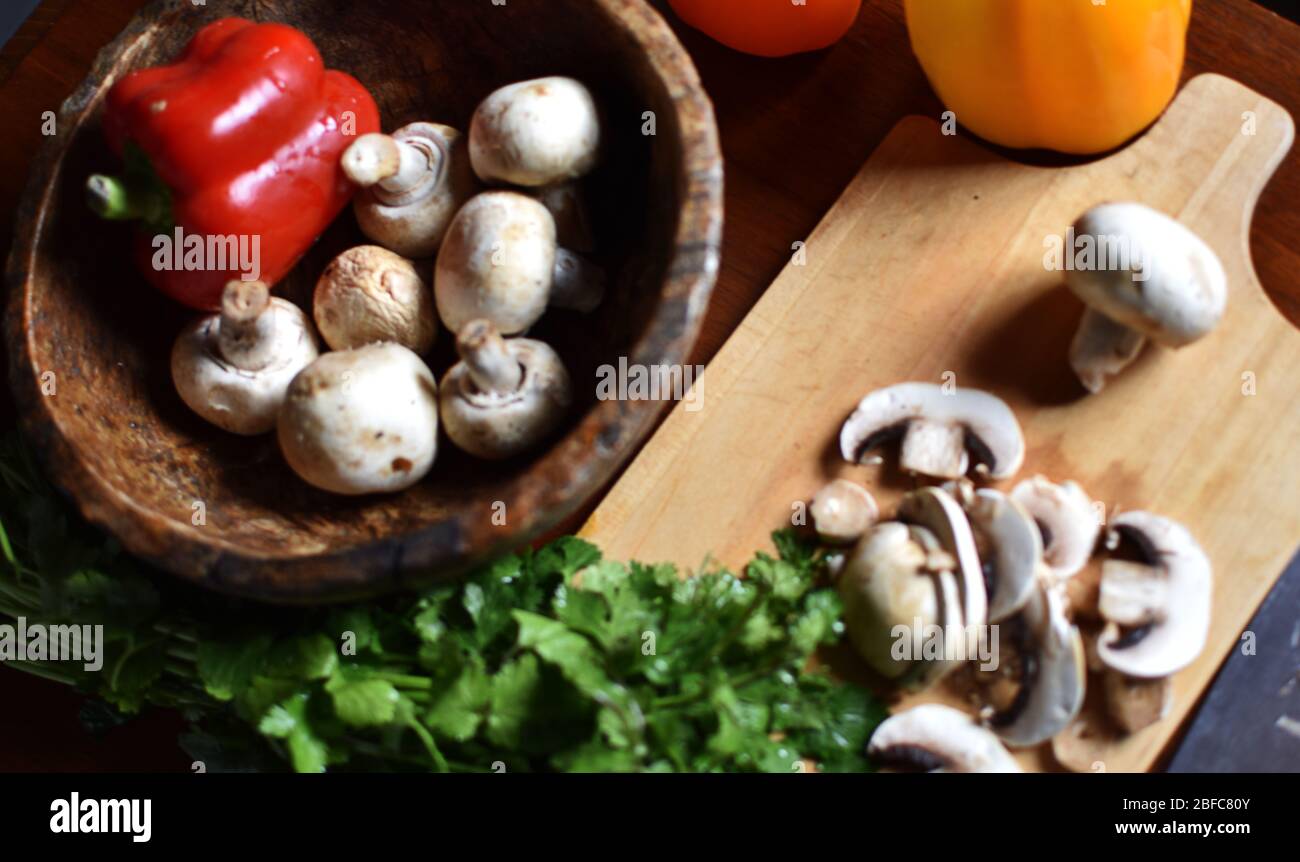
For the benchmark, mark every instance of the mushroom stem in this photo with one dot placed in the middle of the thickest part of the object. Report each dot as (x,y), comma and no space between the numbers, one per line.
(935,449)
(579,284)
(491,366)
(1102,348)
(246,335)
(394,165)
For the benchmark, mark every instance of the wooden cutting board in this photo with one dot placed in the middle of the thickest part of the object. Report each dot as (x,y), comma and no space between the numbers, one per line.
(930,267)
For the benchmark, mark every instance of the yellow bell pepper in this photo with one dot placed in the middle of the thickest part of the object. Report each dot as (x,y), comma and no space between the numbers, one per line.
(1078,76)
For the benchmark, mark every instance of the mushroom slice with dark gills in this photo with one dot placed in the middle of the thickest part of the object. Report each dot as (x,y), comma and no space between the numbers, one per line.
(1067,519)
(936,738)
(943,432)
(1158,612)
(1051,669)
(1009,545)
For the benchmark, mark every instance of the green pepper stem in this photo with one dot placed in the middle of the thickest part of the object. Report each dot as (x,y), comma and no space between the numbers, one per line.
(111,198)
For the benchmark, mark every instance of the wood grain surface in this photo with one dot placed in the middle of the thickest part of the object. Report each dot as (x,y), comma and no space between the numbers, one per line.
(794,133)
(931,267)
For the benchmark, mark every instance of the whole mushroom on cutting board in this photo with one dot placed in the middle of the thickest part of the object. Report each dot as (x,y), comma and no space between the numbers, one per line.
(1167,285)
(233,368)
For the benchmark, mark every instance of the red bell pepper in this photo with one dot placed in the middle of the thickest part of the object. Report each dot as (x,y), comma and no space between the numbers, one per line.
(240,138)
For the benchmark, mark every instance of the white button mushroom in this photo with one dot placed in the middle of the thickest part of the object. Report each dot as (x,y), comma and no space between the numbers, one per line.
(941,430)
(573,228)
(412,182)
(504,397)
(233,368)
(369,294)
(361,421)
(1151,278)
(842,511)
(500,262)
(535,133)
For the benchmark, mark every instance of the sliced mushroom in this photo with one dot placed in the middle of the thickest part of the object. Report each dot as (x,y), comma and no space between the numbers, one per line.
(1132,594)
(504,397)
(536,133)
(233,368)
(1053,673)
(936,738)
(500,262)
(412,182)
(1067,519)
(361,421)
(1137,703)
(368,295)
(1177,575)
(1152,278)
(942,431)
(936,511)
(1010,549)
(886,584)
(842,511)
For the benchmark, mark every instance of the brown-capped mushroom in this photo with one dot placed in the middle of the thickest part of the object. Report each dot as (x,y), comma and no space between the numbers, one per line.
(233,368)
(368,295)
(504,397)
(361,421)
(536,133)
(500,262)
(412,183)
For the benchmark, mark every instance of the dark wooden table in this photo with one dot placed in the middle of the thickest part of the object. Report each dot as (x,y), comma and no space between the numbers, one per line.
(794,133)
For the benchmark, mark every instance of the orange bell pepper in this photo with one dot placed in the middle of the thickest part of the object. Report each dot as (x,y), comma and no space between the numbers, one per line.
(771,28)
(1068,75)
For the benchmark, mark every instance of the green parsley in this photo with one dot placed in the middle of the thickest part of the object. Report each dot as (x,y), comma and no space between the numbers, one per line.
(554,659)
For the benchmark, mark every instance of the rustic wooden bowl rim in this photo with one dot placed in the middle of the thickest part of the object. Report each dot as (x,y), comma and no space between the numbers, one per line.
(689,276)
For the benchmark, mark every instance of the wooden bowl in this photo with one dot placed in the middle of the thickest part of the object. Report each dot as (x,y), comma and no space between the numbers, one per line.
(89,342)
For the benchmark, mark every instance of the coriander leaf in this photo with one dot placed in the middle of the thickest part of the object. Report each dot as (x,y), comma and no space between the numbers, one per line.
(595,757)
(458,711)
(363,702)
(514,689)
(288,721)
(304,657)
(228,667)
(569,651)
